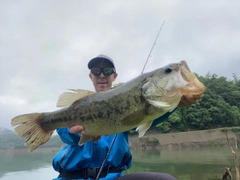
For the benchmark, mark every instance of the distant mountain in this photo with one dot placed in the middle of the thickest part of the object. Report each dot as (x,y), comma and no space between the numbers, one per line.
(5,131)
(9,140)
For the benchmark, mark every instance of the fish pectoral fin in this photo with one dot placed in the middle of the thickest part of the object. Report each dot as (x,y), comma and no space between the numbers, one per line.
(68,98)
(163,105)
(142,129)
(84,138)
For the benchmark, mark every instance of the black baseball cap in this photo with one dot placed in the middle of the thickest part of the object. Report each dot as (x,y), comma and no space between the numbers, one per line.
(100,58)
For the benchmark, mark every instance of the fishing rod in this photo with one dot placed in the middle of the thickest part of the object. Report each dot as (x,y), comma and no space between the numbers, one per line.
(149,55)
(115,136)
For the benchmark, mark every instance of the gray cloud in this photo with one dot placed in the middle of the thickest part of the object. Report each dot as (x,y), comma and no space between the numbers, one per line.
(45,45)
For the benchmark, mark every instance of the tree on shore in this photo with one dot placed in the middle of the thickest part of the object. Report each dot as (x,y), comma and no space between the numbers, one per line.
(219,107)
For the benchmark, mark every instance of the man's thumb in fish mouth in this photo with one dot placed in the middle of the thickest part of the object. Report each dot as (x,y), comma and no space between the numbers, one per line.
(76,129)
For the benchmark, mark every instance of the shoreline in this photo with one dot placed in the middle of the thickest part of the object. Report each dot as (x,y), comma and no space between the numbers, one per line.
(170,141)
(181,140)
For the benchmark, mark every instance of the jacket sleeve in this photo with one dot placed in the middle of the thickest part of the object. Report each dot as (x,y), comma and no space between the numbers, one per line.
(162,118)
(67,137)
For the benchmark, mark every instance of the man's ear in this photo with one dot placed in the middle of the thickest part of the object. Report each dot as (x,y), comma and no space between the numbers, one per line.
(90,76)
(115,76)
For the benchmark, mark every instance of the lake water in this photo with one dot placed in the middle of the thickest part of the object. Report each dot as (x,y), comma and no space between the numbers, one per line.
(187,164)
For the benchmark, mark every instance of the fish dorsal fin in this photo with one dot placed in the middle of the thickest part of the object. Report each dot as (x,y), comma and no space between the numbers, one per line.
(142,129)
(68,98)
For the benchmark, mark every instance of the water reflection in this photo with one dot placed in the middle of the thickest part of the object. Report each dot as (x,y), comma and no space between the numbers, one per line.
(201,155)
(187,164)
(44,173)
(22,160)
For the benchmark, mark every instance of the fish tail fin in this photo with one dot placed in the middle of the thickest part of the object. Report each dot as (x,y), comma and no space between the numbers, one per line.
(28,127)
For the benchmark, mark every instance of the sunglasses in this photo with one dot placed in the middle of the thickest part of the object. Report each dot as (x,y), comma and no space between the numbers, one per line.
(106,71)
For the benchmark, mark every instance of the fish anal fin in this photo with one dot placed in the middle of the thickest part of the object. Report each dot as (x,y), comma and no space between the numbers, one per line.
(84,138)
(68,98)
(142,129)
(28,127)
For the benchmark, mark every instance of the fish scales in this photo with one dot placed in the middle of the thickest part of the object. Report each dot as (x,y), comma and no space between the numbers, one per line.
(135,103)
(101,116)
(98,113)
(91,112)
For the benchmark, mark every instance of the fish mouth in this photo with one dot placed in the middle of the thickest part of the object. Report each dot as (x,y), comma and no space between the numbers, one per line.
(186,72)
(193,85)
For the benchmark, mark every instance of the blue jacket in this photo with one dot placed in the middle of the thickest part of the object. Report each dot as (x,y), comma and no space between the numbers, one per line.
(73,157)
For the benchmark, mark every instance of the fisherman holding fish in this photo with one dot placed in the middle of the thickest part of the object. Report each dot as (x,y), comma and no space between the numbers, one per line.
(84,162)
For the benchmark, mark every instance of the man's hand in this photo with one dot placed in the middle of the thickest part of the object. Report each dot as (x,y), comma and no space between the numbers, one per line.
(79,129)
(76,129)
(188,100)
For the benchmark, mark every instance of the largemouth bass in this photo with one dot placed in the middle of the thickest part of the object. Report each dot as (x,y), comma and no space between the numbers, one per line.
(135,103)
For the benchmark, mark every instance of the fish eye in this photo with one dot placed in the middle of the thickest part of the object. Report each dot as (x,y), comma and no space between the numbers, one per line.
(168,70)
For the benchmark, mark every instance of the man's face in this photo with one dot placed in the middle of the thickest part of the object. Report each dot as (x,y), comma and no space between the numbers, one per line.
(102,82)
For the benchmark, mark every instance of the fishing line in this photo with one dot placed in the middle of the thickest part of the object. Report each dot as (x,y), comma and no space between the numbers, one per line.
(149,55)
(115,136)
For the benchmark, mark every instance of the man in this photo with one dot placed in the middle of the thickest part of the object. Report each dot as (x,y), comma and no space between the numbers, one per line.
(83,162)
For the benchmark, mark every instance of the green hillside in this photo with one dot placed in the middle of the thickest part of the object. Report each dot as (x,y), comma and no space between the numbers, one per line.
(12,141)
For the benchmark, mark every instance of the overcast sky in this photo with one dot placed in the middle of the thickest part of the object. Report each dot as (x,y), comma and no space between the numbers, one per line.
(45,45)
